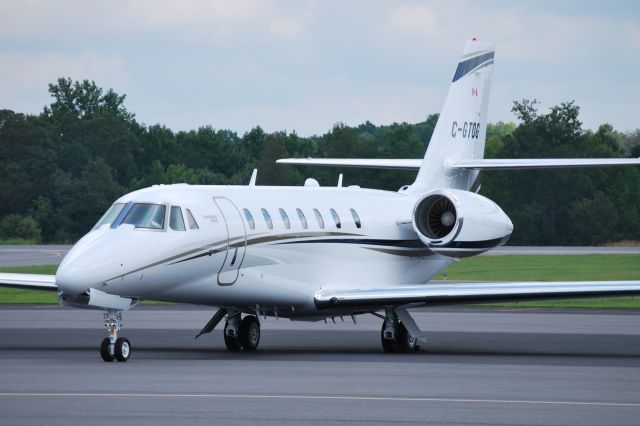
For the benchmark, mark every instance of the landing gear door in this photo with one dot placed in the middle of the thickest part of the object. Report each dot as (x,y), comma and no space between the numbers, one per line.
(236,241)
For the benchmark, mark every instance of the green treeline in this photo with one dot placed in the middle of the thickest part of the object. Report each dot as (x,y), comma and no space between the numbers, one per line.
(61,169)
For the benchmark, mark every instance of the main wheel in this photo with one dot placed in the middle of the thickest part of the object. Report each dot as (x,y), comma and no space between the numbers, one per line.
(104,350)
(406,343)
(123,349)
(231,342)
(250,333)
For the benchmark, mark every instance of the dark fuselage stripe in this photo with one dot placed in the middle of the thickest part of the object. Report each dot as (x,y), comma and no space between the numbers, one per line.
(363,241)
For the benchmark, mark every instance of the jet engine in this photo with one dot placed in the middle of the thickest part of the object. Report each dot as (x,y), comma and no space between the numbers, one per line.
(459,223)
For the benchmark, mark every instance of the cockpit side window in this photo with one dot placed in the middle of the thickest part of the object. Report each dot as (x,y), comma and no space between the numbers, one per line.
(110,215)
(176,221)
(146,215)
(192,221)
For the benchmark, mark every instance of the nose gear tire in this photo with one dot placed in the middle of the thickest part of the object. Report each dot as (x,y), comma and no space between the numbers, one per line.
(123,349)
(104,350)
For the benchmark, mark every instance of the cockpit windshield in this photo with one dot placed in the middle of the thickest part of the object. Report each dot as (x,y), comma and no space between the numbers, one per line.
(144,215)
(110,215)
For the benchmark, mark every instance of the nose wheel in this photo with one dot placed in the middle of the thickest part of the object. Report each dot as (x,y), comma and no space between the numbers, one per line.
(114,347)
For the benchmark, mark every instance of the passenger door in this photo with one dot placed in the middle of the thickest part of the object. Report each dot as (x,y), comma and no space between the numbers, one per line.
(236,241)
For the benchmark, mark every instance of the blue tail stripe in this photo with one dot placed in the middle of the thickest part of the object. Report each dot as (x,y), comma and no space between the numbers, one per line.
(465,67)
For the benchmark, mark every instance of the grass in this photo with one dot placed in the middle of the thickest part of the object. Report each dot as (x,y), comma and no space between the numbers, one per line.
(598,267)
(14,295)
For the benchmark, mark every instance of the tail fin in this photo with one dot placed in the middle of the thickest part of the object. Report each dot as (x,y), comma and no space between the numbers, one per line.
(455,154)
(461,128)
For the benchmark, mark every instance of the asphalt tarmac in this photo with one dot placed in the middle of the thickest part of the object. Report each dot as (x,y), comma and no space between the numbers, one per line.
(53,255)
(480,366)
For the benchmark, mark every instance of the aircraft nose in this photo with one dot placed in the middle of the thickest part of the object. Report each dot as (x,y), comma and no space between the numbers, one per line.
(86,265)
(70,281)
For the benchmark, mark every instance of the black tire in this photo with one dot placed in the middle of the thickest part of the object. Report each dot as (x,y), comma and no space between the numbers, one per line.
(405,343)
(232,343)
(123,349)
(250,333)
(389,345)
(104,350)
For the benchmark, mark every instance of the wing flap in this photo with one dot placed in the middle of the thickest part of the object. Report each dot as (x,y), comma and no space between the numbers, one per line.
(436,294)
(29,281)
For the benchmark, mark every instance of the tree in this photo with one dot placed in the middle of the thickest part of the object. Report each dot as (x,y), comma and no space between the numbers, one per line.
(84,100)
(269,173)
(16,227)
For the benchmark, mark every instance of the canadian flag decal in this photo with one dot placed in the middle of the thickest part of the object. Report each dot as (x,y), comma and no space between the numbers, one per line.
(474,92)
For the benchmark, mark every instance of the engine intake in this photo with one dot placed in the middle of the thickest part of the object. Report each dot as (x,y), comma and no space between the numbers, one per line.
(459,223)
(436,216)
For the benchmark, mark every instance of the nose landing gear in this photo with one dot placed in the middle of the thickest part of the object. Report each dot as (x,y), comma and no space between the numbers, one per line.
(114,347)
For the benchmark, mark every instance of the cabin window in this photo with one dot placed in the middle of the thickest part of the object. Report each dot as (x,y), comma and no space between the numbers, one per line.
(319,218)
(267,218)
(146,215)
(176,221)
(336,218)
(285,219)
(110,215)
(192,221)
(356,218)
(303,219)
(249,216)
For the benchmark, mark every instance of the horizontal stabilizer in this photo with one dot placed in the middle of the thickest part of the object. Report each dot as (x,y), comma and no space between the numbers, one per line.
(29,281)
(474,164)
(442,294)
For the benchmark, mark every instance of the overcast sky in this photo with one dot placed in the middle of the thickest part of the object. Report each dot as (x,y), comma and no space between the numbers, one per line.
(305,65)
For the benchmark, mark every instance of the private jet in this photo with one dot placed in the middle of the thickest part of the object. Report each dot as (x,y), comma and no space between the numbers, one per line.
(312,253)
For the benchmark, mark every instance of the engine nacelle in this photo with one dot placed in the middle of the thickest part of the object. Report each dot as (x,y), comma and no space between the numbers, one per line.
(459,223)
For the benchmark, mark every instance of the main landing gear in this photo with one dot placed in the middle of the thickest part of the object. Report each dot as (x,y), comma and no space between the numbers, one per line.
(241,334)
(114,347)
(395,335)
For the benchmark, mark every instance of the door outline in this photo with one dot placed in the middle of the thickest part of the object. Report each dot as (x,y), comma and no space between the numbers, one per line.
(231,262)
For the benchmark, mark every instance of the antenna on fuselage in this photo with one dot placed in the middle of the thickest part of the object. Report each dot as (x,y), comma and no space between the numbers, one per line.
(340,180)
(254,175)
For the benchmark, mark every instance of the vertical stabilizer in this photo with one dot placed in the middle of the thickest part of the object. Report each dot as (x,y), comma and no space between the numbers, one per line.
(461,128)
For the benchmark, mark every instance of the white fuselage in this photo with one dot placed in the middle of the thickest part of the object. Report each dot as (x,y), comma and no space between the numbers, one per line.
(232,262)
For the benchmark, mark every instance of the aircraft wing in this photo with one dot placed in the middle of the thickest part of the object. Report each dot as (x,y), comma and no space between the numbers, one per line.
(365,163)
(29,281)
(542,163)
(442,293)
(475,164)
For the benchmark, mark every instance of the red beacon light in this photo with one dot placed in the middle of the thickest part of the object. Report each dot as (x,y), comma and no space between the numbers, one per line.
(474,39)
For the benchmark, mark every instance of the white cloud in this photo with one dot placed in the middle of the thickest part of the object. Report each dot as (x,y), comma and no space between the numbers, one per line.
(413,20)
(307,65)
